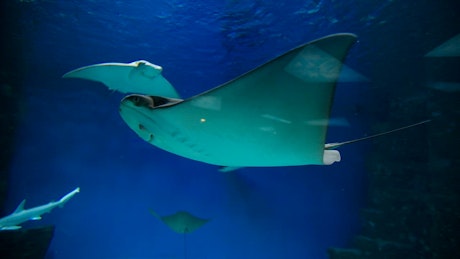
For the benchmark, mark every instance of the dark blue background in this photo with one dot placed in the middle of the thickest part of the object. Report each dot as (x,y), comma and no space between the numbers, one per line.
(71,134)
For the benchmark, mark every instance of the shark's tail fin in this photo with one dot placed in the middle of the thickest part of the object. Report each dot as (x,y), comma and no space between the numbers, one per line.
(67,197)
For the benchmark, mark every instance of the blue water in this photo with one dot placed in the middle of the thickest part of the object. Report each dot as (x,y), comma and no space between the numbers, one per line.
(71,135)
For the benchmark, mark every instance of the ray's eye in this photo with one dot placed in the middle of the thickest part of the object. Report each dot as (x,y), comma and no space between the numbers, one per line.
(141,127)
(142,101)
(135,100)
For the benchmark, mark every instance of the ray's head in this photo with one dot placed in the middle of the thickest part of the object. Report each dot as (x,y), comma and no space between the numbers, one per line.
(147,69)
(138,111)
(134,110)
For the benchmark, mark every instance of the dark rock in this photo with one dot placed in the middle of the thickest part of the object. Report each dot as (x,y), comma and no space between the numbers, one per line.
(25,243)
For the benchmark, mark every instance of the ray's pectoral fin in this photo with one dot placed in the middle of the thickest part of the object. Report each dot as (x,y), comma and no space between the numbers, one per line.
(140,77)
(11,228)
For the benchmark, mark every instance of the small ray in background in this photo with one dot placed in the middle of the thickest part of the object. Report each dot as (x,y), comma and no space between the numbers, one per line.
(450,48)
(349,75)
(181,222)
(449,87)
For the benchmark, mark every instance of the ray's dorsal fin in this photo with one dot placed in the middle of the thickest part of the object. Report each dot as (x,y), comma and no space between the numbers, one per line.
(330,146)
(20,206)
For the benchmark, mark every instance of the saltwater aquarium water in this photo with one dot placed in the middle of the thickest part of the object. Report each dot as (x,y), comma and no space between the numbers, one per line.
(69,132)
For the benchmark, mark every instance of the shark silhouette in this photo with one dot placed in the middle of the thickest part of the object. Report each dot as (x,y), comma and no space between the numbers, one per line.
(21,215)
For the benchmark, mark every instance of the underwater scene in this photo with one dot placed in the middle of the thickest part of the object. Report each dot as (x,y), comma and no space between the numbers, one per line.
(173,129)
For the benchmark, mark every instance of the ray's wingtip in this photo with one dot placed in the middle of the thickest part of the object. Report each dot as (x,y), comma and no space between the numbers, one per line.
(339,34)
(68,74)
(75,73)
(342,34)
(348,34)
